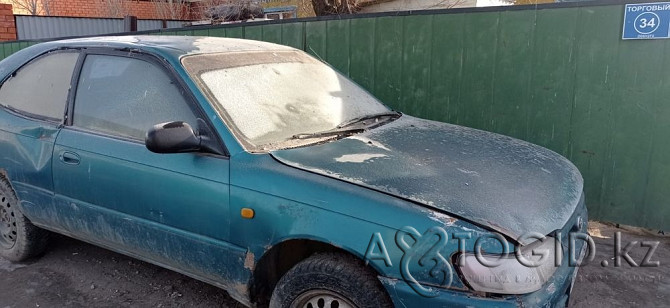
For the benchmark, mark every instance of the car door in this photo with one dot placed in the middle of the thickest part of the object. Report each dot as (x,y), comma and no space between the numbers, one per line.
(170,209)
(32,109)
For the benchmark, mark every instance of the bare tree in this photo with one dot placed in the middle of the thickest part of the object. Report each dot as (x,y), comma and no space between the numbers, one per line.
(233,10)
(115,8)
(200,11)
(171,9)
(34,7)
(335,7)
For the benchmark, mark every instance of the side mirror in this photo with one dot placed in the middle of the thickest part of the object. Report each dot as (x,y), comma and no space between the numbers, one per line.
(172,137)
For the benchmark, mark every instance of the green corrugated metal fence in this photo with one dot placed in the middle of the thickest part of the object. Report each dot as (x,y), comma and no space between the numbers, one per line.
(558,75)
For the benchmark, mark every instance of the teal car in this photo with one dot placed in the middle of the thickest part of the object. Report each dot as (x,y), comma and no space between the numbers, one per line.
(263,171)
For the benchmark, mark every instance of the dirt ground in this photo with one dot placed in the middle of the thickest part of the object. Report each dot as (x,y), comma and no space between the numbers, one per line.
(75,274)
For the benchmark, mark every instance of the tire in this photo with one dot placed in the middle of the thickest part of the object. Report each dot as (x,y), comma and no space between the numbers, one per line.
(335,279)
(19,238)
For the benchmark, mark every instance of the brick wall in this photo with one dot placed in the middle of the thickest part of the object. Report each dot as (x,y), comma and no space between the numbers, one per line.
(110,8)
(143,9)
(7,24)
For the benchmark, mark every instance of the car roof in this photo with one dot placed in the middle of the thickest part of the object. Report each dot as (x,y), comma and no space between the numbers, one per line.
(171,48)
(175,45)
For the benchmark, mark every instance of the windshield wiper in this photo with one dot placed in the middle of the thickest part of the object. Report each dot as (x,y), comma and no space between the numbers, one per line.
(341,129)
(332,132)
(392,114)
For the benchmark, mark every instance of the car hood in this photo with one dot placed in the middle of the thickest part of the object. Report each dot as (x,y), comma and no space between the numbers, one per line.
(508,185)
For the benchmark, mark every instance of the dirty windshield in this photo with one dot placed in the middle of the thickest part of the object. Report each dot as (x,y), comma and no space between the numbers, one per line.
(269,97)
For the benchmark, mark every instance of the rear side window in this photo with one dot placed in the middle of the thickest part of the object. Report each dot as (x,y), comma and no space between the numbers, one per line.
(41,87)
(125,97)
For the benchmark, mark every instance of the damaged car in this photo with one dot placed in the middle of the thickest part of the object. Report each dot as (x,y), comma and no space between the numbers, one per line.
(261,170)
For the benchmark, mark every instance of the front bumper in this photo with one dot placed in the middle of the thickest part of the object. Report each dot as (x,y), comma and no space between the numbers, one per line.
(555,292)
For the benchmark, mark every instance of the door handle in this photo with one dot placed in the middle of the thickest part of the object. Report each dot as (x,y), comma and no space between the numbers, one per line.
(69,158)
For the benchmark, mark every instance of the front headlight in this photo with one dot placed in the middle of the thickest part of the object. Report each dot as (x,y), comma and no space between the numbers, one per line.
(522,272)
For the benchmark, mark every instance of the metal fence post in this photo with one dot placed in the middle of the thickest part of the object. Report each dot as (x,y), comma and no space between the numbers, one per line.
(130,23)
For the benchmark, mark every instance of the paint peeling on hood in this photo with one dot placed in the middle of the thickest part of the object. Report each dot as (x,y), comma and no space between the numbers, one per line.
(357,158)
(370,142)
(511,186)
(443,219)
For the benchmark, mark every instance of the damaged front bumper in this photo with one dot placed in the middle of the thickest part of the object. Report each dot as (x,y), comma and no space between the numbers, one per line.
(554,293)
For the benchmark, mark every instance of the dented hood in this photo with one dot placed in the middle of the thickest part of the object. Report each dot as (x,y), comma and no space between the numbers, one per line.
(508,185)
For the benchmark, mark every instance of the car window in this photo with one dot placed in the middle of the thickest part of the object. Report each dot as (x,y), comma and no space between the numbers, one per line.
(41,87)
(126,96)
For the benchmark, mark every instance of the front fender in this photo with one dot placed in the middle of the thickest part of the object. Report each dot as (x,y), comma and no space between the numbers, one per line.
(294,204)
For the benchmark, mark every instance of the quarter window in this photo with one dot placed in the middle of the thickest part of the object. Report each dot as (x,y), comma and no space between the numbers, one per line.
(126,96)
(41,87)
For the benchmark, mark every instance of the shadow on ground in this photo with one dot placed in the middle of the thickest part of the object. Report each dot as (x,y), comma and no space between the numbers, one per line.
(75,274)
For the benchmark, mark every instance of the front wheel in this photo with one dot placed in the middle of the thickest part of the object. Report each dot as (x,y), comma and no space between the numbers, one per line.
(19,238)
(330,280)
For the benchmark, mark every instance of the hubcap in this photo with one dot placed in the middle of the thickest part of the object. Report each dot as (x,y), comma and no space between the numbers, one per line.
(321,299)
(7,223)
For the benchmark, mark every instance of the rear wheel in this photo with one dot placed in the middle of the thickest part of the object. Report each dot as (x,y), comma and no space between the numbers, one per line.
(330,280)
(19,238)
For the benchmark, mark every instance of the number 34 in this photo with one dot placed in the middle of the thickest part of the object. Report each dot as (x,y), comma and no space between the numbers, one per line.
(647,23)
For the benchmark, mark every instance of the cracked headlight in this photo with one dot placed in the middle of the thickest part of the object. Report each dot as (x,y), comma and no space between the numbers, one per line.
(522,272)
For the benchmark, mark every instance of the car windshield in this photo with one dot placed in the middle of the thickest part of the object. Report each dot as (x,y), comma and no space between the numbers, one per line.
(269,97)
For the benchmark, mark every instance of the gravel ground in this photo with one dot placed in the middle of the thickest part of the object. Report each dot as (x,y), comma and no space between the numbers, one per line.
(75,274)
(625,286)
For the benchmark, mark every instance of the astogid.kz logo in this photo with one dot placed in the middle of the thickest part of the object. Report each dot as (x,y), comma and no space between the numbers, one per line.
(431,261)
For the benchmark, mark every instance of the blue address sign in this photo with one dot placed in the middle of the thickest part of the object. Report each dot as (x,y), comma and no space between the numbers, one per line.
(647,21)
